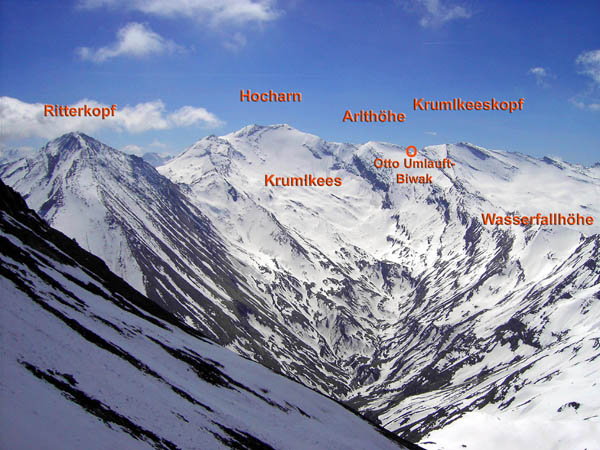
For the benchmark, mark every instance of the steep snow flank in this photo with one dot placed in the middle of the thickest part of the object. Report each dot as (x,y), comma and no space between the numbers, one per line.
(517,182)
(89,362)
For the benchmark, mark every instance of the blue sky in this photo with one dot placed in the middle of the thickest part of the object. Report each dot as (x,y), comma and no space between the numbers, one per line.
(175,69)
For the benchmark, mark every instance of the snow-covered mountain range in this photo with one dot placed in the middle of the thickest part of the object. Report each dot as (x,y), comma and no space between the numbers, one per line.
(88,362)
(12,154)
(394,298)
(156,159)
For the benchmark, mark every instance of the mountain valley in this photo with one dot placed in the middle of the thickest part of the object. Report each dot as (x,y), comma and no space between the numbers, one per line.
(393,298)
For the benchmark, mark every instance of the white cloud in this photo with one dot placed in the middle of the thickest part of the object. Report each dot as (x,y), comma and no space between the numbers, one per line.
(133,149)
(541,76)
(435,13)
(189,115)
(590,64)
(586,106)
(431,133)
(235,42)
(213,11)
(23,120)
(157,144)
(134,39)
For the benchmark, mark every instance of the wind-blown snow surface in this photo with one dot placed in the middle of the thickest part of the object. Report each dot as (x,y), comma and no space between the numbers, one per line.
(394,298)
(87,362)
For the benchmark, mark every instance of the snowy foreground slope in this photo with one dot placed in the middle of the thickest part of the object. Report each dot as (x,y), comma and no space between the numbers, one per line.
(394,298)
(88,362)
